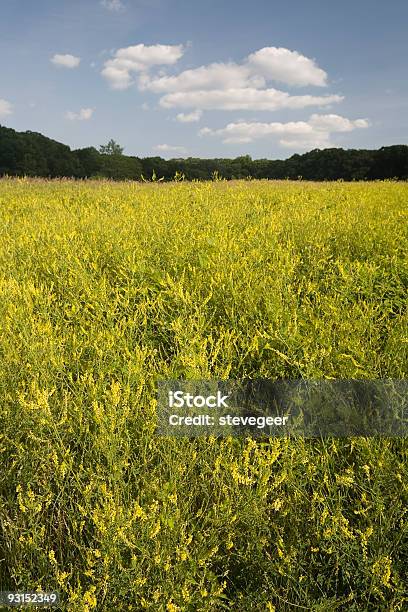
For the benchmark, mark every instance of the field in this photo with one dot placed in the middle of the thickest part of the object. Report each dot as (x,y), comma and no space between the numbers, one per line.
(106,288)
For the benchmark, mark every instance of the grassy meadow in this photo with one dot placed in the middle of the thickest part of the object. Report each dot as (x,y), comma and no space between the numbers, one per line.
(106,288)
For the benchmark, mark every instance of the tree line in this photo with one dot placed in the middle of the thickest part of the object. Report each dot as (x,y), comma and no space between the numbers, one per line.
(32,154)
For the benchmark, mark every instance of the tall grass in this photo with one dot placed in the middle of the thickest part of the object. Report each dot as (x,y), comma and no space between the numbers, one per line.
(104,289)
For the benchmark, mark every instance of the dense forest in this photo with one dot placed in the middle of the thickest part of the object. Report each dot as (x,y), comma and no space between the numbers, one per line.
(32,154)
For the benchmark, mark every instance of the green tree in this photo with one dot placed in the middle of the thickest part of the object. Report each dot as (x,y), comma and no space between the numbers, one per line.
(89,160)
(112,148)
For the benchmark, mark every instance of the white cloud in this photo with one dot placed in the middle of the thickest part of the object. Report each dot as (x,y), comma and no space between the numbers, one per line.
(138,58)
(244,99)
(290,67)
(113,5)
(189,117)
(5,108)
(117,75)
(336,123)
(214,76)
(227,86)
(316,141)
(166,148)
(83,115)
(65,61)
(247,132)
(314,133)
(267,64)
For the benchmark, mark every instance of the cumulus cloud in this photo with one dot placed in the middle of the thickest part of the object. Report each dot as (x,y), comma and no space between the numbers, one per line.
(5,108)
(244,99)
(83,115)
(189,117)
(241,86)
(314,133)
(226,86)
(65,61)
(285,66)
(213,76)
(138,59)
(267,64)
(113,5)
(166,148)
(336,123)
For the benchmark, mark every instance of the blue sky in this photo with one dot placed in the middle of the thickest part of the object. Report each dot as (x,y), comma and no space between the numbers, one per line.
(206,79)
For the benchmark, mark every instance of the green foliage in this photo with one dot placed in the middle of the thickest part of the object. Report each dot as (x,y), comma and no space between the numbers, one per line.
(90,162)
(106,287)
(179,177)
(112,148)
(216,176)
(121,167)
(31,154)
(155,179)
